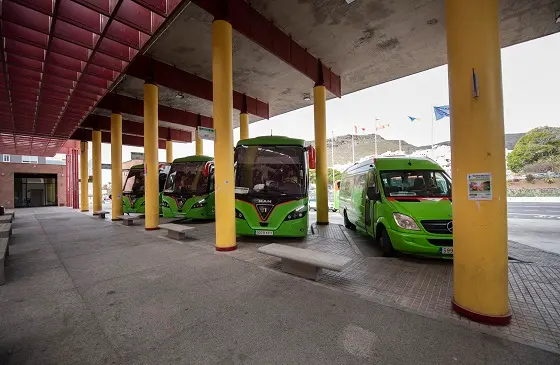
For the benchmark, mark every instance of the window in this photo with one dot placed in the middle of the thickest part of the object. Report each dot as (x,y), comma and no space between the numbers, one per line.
(416,183)
(5,158)
(29,159)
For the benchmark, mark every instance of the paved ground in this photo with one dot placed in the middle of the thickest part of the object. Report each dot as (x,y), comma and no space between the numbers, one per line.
(85,291)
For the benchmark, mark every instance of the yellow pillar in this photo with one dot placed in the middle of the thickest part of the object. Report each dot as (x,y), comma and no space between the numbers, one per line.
(243,126)
(84,177)
(168,151)
(199,147)
(480,267)
(223,145)
(151,170)
(116,166)
(320,115)
(96,169)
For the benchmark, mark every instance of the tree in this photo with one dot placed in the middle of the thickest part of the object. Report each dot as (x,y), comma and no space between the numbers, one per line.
(313,176)
(538,145)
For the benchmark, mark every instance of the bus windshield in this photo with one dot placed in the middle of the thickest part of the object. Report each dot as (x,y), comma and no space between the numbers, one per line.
(187,178)
(416,183)
(271,169)
(134,182)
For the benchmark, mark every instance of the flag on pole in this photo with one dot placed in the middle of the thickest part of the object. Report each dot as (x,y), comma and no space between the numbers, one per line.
(356,129)
(412,119)
(381,126)
(441,111)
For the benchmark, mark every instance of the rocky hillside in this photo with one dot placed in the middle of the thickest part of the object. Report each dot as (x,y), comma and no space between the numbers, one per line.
(364,145)
(511,140)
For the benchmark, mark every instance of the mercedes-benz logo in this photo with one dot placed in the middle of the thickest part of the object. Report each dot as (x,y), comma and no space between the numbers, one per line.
(450,226)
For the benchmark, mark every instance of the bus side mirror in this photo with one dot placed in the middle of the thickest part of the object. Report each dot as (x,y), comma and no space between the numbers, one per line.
(372,194)
(208,167)
(312,157)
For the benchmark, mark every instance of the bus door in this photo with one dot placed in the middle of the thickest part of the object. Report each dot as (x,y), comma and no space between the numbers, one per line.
(369,204)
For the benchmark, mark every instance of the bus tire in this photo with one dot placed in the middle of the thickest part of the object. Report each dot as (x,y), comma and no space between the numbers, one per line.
(386,246)
(347,223)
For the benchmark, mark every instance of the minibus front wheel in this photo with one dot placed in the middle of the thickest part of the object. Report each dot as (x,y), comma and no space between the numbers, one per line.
(386,246)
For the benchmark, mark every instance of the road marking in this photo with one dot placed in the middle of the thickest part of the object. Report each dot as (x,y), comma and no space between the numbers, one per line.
(537,215)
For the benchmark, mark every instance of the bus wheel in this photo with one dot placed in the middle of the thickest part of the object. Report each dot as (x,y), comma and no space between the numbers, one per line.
(347,223)
(386,245)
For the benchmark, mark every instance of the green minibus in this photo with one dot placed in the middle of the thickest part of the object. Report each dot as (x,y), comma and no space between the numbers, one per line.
(133,188)
(404,202)
(271,187)
(189,189)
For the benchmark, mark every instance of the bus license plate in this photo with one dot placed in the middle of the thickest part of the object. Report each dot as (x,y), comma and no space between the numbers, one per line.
(447,250)
(264,233)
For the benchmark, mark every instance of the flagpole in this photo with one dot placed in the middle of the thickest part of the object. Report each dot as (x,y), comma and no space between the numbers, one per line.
(353,157)
(432,113)
(332,156)
(375,136)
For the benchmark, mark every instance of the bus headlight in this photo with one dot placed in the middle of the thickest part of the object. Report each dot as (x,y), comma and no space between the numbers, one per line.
(405,222)
(239,215)
(297,214)
(165,204)
(199,204)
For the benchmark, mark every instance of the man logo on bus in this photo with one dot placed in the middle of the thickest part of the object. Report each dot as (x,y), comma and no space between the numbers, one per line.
(450,226)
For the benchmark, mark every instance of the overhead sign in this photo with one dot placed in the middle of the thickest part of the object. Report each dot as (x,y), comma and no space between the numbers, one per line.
(207,133)
(137,156)
(106,166)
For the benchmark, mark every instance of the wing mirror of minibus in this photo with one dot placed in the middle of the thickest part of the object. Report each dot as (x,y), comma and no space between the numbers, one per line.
(311,157)
(208,167)
(372,194)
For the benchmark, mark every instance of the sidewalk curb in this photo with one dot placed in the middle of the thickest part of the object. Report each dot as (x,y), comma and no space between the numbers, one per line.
(536,199)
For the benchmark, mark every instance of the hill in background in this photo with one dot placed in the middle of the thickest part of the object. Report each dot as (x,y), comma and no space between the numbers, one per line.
(364,145)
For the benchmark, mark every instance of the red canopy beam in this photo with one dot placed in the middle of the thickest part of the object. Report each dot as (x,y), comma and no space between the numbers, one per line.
(128,105)
(135,141)
(103,123)
(263,32)
(171,77)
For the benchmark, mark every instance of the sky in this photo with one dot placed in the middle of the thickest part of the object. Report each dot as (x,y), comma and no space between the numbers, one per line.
(531,87)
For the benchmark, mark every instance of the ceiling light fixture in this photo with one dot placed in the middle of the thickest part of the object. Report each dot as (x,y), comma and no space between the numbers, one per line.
(179,96)
(306,97)
(432,21)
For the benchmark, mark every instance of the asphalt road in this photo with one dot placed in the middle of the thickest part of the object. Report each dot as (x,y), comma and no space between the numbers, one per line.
(534,211)
(533,224)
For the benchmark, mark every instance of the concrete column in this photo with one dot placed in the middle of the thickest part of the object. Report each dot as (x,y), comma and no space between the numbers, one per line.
(151,168)
(480,267)
(84,176)
(116,166)
(320,114)
(168,151)
(243,126)
(223,146)
(96,169)
(199,147)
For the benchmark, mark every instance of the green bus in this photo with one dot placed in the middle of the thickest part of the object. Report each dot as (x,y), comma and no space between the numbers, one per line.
(133,188)
(271,187)
(404,202)
(189,189)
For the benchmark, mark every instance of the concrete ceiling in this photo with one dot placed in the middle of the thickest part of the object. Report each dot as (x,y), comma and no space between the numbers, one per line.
(367,42)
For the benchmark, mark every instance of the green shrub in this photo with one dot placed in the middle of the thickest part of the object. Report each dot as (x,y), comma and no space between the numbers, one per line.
(530,178)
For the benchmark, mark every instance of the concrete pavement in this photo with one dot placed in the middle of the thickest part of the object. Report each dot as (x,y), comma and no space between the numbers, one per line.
(85,291)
